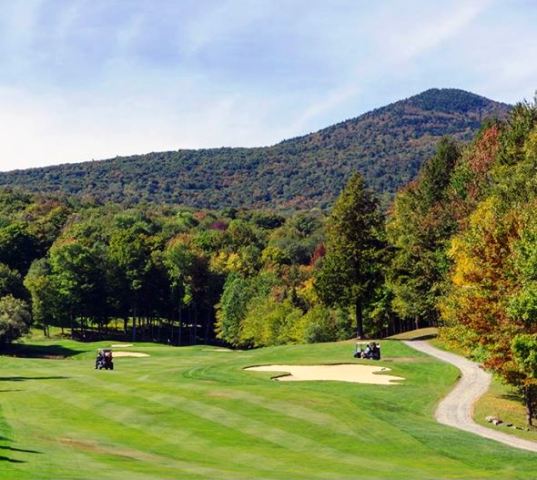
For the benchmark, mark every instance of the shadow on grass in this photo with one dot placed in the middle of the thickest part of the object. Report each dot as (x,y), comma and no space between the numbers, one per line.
(513,396)
(23,379)
(428,336)
(425,337)
(53,352)
(13,449)
(10,460)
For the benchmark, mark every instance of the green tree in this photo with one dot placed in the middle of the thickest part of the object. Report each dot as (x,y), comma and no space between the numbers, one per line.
(350,270)
(524,348)
(15,318)
(38,282)
(129,256)
(234,303)
(180,262)
(10,282)
(269,322)
(419,228)
(77,279)
(17,247)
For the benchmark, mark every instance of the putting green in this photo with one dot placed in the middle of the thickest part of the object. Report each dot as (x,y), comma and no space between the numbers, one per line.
(191,413)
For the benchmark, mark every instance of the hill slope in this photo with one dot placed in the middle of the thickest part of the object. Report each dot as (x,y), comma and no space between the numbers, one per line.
(386,145)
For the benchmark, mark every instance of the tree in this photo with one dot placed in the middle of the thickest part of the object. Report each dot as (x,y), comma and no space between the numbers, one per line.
(15,318)
(78,279)
(179,261)
(38,282)
(269,322)
(10,282)
(129,256)
(524,348)
(234,303)
(231,309)
(17,247)
(419,228)
(436,172)
(350,269)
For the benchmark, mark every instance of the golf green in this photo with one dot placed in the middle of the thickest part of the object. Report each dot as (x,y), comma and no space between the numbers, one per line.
(193,412)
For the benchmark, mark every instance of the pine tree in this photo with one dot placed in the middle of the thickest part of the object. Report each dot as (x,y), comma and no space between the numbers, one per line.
(350,269)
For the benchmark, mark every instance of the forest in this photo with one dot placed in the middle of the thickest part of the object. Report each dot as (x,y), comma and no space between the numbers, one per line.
(457,248)
(387,146)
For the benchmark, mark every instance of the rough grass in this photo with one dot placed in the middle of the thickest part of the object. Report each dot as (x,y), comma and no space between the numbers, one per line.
(502,401)
(194,413)
(418,334)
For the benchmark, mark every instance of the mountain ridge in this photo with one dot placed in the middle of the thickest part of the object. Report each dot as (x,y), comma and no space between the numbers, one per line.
(387,145)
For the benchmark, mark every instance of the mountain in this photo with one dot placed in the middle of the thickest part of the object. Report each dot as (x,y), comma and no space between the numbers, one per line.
(387,145)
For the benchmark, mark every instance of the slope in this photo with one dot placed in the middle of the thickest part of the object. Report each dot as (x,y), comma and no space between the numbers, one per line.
(386,145)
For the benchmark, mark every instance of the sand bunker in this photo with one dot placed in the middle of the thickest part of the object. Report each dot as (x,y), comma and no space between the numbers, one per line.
(121,345)
(130,354)
(351,372)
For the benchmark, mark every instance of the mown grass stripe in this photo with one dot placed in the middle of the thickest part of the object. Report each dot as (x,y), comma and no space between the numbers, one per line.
(130,419)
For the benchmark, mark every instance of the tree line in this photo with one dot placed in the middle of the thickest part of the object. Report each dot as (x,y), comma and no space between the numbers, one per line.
(464,237)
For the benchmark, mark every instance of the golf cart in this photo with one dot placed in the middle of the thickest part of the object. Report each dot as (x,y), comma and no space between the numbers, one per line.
(369,351)
(104,359)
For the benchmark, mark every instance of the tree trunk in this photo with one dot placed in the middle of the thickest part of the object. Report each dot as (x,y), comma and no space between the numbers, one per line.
(194,333)
(530,400)
(207,323)
(359,321)
(134,326)
(180,327)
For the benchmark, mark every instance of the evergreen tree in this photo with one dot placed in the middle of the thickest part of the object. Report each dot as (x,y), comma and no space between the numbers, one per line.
(350,269)
(419,228)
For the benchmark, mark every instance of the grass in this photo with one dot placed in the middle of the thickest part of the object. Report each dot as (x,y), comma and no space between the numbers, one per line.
(419,334)
(193,413)
(503,401)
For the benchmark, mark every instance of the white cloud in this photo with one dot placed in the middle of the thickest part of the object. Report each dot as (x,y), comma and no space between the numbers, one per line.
(97,79)
(43,130)
(413,32)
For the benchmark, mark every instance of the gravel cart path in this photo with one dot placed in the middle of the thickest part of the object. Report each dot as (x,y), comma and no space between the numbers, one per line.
(457,407)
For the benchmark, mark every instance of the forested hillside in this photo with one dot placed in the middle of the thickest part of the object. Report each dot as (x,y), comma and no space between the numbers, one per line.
(387,146)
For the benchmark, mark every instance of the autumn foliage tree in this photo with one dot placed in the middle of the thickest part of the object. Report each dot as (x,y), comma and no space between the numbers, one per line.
(491,304)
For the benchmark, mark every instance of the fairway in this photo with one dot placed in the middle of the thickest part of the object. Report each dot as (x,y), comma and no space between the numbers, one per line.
(193,412)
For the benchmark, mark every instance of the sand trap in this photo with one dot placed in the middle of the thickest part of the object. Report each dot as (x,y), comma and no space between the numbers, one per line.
(129,354)
(351,372)
(121,345)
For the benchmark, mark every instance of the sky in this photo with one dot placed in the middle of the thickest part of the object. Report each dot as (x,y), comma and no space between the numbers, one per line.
(93,79)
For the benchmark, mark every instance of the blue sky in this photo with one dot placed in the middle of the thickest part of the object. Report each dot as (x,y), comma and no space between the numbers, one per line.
(92,79)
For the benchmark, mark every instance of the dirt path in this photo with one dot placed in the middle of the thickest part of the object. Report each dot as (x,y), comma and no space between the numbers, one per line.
(457,407)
